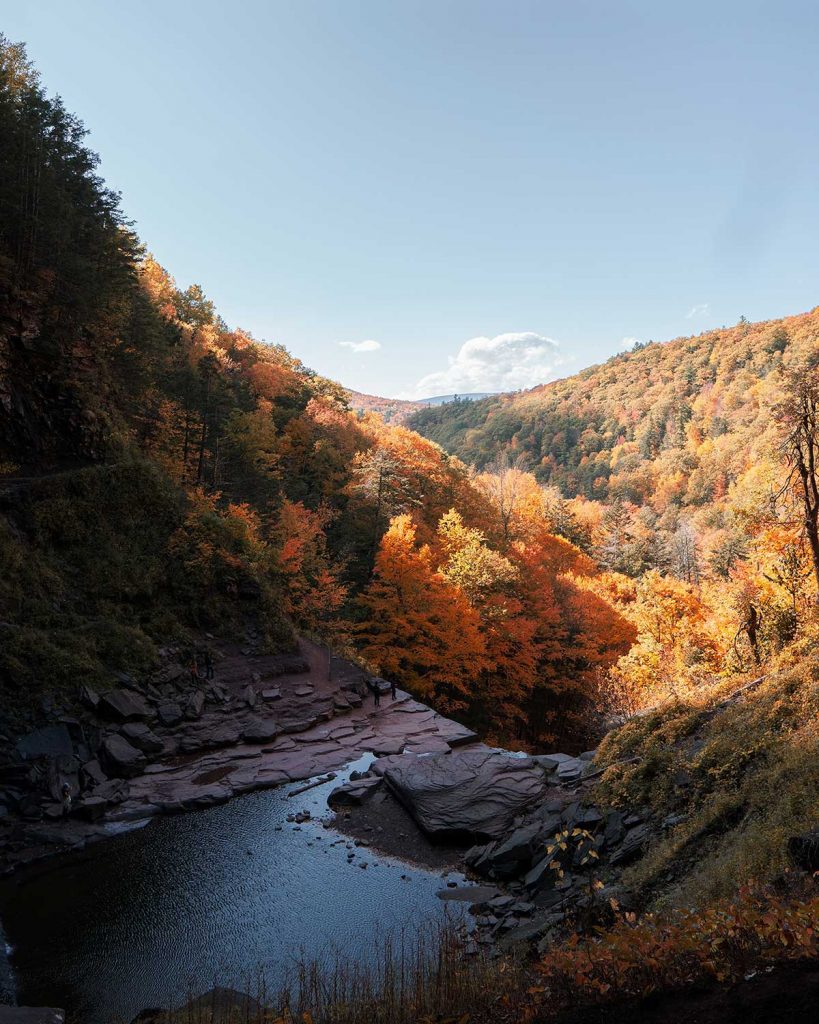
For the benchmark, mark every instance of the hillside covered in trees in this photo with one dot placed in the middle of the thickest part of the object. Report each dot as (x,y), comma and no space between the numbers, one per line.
(644,528)
(163,472)
(672,465)
(635,545)
(692,411)
(392,410)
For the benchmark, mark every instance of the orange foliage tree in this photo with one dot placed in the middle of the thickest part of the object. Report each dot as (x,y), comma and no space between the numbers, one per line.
(515,641)
(313,594)
(579,635)
(417,628)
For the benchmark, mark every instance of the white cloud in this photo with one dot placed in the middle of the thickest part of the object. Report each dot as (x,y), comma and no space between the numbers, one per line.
(703,309)
(627,344)
(506,362)
(361,346)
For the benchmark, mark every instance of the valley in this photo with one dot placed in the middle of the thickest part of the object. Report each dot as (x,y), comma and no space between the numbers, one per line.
(322,708)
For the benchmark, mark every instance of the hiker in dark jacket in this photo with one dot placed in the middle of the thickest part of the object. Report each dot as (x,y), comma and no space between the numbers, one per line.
(376,692)
(392,689)
(208,663)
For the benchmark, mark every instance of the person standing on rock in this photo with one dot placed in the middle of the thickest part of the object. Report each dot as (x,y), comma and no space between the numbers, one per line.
(208,663)
(393,694)
(65,796)
(376,693)
(193,668)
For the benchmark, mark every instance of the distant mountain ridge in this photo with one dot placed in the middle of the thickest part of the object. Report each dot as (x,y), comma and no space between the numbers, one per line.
(393,410)
(469,396)
(399,410)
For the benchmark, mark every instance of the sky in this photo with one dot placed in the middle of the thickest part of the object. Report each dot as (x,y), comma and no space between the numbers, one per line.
(436,196)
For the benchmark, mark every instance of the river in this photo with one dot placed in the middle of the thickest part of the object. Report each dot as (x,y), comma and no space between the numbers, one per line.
(212,897)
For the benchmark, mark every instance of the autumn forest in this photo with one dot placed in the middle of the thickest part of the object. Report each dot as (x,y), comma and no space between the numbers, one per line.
(628,533)
(542,565)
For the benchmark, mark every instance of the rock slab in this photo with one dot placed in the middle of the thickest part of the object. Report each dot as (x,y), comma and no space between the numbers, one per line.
(120,758)
(123,706)
(472,794)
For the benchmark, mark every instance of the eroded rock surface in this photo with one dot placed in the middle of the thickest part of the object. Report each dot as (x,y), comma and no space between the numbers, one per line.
(474,794)
(171,742)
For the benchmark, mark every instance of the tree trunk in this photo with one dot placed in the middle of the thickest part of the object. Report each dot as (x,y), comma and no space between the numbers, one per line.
(810,500)
(752,628)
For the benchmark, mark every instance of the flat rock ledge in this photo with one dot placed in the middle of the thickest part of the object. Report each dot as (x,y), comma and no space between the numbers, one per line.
(163,747)
(306,749)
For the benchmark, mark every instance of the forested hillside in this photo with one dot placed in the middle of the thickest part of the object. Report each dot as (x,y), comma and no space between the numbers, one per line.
(163,473)
(672,466)
(687,416)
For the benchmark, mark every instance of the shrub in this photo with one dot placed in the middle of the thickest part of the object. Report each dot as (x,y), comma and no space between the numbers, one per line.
(726,941)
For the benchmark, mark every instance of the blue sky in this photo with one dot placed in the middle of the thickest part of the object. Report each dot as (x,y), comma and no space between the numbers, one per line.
(490,194)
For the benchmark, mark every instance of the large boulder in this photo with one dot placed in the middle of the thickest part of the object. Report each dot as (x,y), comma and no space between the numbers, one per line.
(471,794)
(123,706)
(571,771)
(91,774)
(516,850)
(140,736)
(120,758)
(170,713)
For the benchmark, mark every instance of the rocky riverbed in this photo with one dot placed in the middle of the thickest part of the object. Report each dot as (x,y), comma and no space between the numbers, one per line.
(533,832)
(169,744)
(525,827)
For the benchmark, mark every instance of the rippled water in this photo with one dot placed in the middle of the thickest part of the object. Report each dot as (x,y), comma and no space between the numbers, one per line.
(204,898)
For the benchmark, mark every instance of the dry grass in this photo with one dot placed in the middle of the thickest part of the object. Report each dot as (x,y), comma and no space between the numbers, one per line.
(433,973)
(724,942)
(744,773)
(428,979)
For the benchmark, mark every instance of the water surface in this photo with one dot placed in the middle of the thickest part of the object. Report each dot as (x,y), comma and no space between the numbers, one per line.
(205,898)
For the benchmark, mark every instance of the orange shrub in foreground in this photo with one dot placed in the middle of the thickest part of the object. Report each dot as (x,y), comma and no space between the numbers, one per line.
(726,941)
